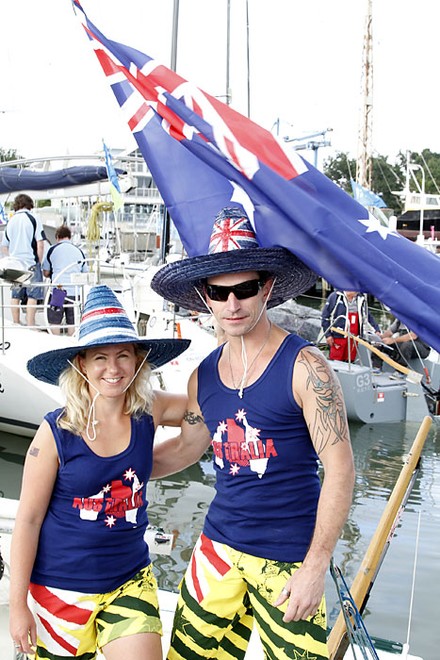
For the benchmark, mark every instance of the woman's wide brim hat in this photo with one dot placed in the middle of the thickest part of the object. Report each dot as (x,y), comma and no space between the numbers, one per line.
(104,321)
(233,248)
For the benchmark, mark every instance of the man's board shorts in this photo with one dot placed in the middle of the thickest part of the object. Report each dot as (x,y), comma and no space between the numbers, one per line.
(75,624)
(36,292)
(223,592)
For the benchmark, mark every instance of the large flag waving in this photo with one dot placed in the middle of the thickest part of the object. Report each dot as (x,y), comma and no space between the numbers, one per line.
(204,156)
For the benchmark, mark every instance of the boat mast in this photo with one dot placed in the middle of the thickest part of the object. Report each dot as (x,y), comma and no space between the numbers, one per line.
(228,54)
(228,51)
(248,63)
(364,159)
(166,220)
(174,35)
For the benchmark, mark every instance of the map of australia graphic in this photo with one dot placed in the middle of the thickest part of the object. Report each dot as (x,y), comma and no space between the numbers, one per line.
(117,499)
(238,444)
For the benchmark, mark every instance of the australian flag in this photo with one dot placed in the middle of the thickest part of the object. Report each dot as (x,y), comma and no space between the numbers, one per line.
(205,156)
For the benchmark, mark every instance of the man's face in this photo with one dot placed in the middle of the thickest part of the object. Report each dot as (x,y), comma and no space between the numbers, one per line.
(351,294)
(236,300)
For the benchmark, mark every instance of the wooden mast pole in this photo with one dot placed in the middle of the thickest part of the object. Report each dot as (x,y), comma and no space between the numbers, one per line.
(360,590)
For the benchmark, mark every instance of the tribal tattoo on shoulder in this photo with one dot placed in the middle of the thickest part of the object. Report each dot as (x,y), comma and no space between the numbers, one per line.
(330,422)
(192,417)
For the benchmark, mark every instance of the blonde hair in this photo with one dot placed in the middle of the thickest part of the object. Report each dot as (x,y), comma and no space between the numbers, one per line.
(138,397)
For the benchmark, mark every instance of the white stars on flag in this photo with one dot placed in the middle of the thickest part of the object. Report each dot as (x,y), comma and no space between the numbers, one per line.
(373,224)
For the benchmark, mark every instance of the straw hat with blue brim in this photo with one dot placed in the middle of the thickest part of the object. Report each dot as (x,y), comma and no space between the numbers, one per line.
(103,322)
(233,248)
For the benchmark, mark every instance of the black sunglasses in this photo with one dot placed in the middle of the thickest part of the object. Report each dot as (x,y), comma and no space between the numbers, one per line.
(247,289)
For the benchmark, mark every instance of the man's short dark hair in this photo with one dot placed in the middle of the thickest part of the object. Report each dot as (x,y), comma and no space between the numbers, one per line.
(63,232)
(264,275)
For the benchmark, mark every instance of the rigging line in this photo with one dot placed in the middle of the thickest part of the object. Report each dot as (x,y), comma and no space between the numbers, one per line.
(413,581)
(356,629)
(429,172)
(416,350)
(348,166)
(378,157)
(382,171)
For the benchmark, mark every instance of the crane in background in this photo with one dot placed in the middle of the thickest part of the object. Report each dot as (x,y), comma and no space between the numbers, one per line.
(307,142)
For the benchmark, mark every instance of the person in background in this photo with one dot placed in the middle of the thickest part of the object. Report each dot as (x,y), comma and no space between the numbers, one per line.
(61,261)
(275,411)
(349,311)
(23,239)
(404,343)
(78,553)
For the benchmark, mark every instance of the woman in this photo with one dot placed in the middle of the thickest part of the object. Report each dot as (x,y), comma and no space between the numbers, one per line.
(78,543)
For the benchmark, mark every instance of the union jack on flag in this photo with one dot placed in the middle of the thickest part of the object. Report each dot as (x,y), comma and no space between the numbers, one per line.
(204,157)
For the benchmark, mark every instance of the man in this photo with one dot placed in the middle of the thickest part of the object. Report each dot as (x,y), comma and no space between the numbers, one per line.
(274,409)
(24,239)
(405,344)
(63,260)
(349,311)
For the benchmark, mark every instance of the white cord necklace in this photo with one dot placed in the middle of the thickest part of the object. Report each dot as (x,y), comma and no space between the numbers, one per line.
(247,369)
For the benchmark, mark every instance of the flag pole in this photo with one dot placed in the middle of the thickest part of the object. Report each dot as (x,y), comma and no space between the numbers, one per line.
(362,584)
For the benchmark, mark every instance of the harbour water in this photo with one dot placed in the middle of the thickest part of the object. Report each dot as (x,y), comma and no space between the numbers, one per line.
(179,504)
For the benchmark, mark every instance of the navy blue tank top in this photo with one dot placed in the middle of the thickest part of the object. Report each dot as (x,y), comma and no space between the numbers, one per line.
(92,537)
(267,482)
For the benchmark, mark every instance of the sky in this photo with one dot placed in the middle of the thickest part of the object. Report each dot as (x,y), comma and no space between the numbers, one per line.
(305,67)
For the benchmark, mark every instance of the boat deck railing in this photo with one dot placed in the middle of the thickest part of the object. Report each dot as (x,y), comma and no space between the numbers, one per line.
(41,317)
(81,283)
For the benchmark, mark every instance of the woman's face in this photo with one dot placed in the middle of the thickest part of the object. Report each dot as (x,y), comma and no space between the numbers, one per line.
(109,368)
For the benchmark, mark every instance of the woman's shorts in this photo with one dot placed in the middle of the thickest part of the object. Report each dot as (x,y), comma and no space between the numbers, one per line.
(75,624)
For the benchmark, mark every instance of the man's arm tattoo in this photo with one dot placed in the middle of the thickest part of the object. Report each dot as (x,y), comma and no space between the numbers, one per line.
(330,423)
(192,417)
(34,451)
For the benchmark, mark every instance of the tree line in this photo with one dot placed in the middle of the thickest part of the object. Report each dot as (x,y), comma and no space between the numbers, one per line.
(387,178)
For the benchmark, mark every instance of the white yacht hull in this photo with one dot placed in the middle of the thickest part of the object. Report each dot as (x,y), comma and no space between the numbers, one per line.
(23,400)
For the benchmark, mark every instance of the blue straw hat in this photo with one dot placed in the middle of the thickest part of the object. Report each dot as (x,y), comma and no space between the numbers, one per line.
(233,248)
(104,321)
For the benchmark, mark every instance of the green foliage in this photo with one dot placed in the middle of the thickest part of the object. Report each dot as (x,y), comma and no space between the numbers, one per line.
(386,178)
(8,154)
(430,162)
(341,169)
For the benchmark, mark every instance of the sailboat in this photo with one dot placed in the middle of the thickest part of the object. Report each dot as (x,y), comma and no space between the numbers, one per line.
(420,220)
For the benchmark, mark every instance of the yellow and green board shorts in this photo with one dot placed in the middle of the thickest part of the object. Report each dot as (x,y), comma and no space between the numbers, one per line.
(75,624)
(221,595)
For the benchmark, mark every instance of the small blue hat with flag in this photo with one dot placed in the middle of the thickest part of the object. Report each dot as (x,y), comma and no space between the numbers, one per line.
(104,321)
(233,248)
